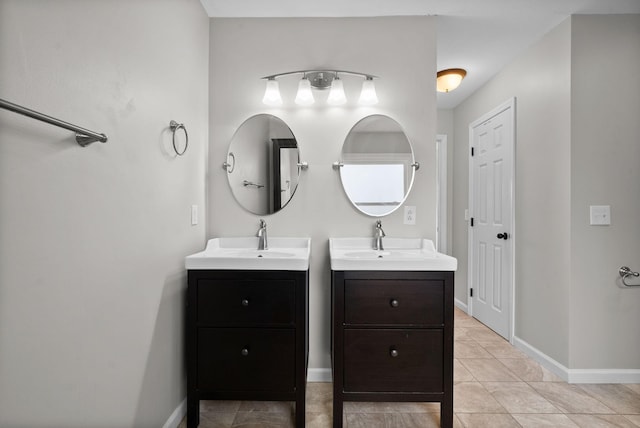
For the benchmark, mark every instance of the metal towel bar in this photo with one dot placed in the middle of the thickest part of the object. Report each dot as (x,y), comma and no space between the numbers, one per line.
(247,183)
(84,137)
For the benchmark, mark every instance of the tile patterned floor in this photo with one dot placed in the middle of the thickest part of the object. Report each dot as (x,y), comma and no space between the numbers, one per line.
(496,386)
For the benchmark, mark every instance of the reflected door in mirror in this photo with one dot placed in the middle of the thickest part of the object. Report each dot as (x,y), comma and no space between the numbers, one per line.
(265,169)
(285,171)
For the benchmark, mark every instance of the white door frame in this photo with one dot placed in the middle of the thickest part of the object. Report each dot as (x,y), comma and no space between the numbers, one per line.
(511,105)
(442,200)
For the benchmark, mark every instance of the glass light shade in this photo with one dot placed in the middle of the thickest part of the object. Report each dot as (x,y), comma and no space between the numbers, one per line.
(448,80)
(368,95)
(304,97)
(272,94)
(336,95)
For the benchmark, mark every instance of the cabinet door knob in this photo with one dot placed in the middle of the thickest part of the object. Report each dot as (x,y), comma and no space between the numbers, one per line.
(244,352)
(393,352)
(245,302)
(394,303)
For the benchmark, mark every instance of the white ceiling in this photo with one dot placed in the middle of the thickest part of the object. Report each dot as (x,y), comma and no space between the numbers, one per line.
(481,36)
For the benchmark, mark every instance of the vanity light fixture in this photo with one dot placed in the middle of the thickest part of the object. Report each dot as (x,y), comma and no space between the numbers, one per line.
(336,95)
(449,79)
(368,95)
(304,97)
(320,79)
(272,94)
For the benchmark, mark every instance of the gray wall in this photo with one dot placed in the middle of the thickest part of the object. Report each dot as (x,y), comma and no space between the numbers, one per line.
(92,240)
(576,145)
(244,50)
(540,81)
(446,127)
(249,163)
(605,170)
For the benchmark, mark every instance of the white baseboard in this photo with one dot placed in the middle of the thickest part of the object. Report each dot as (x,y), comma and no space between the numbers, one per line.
(545,361)
(461,306)
(578,375)
(177,416)
(319,375)
(604,376)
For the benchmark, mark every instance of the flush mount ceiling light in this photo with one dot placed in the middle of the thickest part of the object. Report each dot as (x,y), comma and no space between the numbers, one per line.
(449,79)
(320,80)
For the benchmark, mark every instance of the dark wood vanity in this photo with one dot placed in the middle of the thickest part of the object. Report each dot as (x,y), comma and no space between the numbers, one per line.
(247,338)
(392,338)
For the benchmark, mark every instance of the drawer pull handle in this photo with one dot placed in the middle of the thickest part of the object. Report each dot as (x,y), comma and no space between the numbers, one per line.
(245,302)
(394,303)
(244,352)
(393,352)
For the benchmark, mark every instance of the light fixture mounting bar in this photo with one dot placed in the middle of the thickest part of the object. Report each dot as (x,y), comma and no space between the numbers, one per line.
(321,79)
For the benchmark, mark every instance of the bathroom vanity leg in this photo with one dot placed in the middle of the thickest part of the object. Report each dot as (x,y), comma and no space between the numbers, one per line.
(300,410)
(337,413)
(193,413)
(446,413)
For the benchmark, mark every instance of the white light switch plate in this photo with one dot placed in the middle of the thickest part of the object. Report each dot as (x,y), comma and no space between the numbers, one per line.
(409,214)
(600,215)
(194,215)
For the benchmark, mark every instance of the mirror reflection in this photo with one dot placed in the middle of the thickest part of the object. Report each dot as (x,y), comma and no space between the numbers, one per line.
(262,164)
(377,165)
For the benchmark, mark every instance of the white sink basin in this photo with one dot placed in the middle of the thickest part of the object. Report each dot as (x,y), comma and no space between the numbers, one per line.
(410,254)
(242,254)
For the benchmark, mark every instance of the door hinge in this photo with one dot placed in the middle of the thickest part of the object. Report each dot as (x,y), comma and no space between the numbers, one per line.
(472,152)
(471,221)
(471,292)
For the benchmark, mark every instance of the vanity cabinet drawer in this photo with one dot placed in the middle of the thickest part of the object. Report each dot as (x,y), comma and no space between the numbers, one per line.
(393,360)
(238,359)
(393,302)
(244,303)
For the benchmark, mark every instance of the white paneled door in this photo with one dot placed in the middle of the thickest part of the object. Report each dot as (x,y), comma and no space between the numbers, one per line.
(491,175)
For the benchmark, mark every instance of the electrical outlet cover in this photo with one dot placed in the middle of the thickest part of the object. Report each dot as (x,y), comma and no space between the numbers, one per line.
(409,214)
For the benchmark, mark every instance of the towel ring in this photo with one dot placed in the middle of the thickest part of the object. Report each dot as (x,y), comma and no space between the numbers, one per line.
(175,126)
(625,272)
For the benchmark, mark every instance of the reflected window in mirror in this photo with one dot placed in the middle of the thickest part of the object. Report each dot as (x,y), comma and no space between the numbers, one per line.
(263,164)
(377,165)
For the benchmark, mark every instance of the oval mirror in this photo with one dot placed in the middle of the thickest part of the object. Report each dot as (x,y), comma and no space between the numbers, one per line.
(377,165)
(263,164)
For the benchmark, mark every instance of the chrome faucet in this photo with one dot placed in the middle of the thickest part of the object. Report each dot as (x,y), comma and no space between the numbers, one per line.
(378,235)
(262,236)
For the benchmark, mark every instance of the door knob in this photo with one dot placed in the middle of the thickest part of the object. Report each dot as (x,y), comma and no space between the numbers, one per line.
(504,236)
